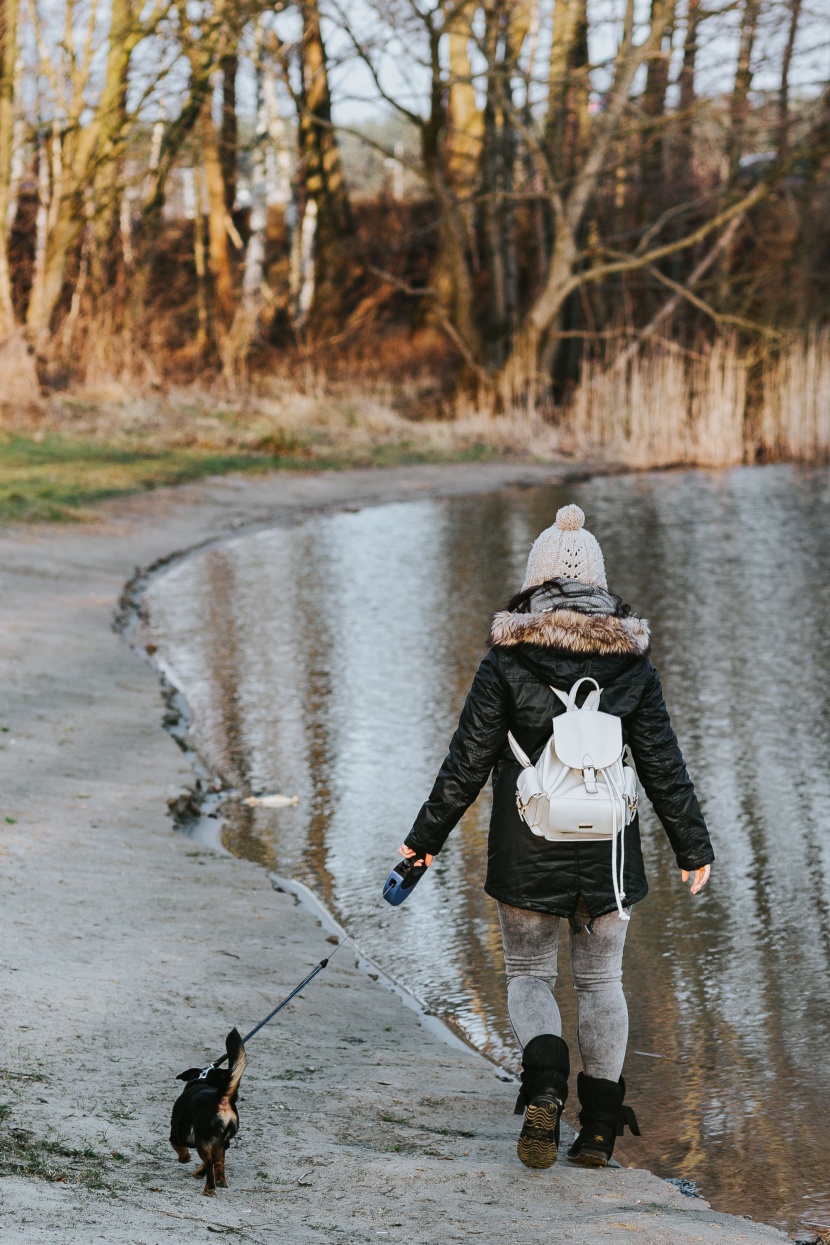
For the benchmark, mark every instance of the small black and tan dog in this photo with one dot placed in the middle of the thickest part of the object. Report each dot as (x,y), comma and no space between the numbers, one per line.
(205,1114)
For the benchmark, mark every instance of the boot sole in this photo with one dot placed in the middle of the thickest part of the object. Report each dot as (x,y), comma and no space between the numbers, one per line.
(533,1148)
(589,1158)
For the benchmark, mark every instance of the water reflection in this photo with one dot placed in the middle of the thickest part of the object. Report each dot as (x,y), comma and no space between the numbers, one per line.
(331,661)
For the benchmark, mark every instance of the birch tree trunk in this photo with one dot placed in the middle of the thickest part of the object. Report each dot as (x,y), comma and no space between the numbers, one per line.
(278,160)
(237,344)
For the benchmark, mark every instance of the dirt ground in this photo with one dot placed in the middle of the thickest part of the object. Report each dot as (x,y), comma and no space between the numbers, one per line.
(128,951)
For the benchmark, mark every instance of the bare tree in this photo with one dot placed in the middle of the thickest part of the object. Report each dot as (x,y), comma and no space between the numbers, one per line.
(229,128)
(784,93)
(460,144)
(324,179)
(602,195)
(567,118)
(82,148)
(9,16)
(739,102)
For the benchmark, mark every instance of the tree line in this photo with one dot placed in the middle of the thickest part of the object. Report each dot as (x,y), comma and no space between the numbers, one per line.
(581,177)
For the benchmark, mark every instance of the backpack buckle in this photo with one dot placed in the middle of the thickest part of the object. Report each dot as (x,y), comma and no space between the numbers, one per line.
(589,777)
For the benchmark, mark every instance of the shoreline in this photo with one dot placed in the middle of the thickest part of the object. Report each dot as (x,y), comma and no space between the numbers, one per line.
(128,952)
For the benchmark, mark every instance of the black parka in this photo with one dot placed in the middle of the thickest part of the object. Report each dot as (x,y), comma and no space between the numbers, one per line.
(512,691)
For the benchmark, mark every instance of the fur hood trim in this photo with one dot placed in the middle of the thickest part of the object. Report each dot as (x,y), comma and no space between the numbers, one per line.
(576,633)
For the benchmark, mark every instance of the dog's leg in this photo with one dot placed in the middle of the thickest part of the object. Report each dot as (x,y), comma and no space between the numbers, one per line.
(221,1178)
(199,1172)
(210,1177)
(182,1151)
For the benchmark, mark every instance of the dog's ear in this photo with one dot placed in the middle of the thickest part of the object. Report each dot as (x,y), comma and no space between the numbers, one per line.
(189,1075)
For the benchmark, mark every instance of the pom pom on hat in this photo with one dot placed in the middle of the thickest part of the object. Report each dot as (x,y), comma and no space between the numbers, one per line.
(566,551)
(570,518)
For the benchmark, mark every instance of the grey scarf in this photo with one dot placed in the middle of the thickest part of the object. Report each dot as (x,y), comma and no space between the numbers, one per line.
(569,594)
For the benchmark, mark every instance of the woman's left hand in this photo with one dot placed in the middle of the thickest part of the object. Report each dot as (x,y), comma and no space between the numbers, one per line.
(403,850)
(700,880)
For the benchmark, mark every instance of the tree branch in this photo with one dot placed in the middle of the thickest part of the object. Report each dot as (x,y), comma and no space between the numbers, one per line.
(668,309)
(446,324)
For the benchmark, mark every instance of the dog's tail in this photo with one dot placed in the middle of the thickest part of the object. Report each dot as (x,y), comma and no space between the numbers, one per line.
(237,1060)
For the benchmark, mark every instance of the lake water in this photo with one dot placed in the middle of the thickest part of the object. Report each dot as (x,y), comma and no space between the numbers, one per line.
(319,658)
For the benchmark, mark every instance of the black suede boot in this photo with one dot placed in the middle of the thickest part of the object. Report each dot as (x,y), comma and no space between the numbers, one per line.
(602,1118)
(546,1066)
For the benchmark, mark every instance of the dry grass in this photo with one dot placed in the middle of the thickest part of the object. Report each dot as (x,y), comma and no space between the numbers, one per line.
(661,408)
(60,454)
(317,422)
(795,414)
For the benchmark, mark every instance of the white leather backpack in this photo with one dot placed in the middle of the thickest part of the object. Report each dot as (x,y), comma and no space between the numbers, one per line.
(581,788)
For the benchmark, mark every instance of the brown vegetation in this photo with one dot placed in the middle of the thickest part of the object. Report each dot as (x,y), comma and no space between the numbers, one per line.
(579,240)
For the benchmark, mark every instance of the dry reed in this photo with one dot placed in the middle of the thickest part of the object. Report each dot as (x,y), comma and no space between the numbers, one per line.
(795,413)
(658,408)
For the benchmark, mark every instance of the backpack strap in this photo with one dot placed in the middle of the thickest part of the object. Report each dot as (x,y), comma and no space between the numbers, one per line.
(592,699)
(569,698)
(520,755)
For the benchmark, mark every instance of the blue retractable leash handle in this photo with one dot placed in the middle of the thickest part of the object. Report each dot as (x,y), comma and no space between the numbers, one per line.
(402,880)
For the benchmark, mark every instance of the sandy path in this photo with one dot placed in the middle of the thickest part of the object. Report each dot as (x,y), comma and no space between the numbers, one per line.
(127,953)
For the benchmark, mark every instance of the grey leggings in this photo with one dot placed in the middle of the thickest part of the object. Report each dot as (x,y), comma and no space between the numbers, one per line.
(531,942)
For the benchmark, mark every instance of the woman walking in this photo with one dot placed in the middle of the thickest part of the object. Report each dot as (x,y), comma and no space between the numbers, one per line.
(564,626)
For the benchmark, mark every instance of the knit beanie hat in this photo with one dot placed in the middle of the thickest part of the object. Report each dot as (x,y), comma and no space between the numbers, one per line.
(566,551)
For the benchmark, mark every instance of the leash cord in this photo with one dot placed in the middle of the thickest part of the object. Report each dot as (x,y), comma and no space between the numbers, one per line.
(217,1063)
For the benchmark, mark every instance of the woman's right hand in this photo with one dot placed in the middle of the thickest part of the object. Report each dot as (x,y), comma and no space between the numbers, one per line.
(408,852)
(700,879)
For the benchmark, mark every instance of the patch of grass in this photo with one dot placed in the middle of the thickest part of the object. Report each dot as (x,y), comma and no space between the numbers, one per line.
(23,1154)
(13,1074)
(58,478)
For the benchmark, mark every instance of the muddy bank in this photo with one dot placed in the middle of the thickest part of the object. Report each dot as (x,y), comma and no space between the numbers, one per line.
(128,952)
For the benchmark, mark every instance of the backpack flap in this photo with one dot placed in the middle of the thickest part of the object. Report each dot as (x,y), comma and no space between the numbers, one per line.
(587,739)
